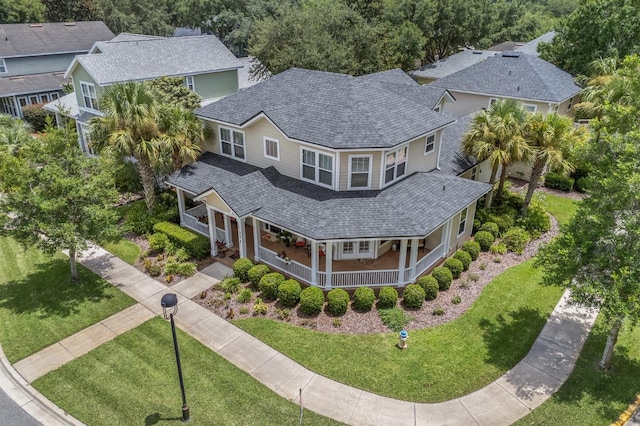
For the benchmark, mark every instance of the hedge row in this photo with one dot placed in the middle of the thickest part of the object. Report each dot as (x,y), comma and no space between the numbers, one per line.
(196,245)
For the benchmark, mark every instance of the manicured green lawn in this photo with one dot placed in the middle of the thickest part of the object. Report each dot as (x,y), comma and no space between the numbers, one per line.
(132,380)
(592,397)
(124,249)
(39,304)
(561,208)
(441,363)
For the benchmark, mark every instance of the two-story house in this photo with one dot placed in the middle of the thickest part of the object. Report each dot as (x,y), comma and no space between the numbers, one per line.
(207,66)
(347,166)
(34,57)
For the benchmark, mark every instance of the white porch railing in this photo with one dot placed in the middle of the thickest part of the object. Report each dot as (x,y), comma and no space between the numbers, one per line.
(407,275)
(432,257)
(291,267)
(359,278)
(220,236)
(190,219)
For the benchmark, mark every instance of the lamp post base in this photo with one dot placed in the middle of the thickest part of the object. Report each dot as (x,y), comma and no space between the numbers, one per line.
(185,413)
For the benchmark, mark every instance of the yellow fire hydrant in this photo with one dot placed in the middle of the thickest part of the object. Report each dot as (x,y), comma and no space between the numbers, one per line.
(402,344)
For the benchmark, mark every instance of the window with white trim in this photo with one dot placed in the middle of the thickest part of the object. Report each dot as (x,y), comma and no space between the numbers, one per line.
(360,171)
(492,101)
(430,145)
(232,143)
(570,104)
(89,95)
(190,83)
(529,107)
(347,247)
(463,222)
(3,66)
(474,173)
(317,167)
(395,165)
(272,148)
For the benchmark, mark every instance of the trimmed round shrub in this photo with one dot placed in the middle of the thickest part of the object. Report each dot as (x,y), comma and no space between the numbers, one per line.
(476,224)
(337,301)
(473,248)
(491,227)
(311,301)
(485,239)
(504,222)
(463,257)
(455,266)
(430,286)
(516,239)
(230,285)
(387,298)
(241,268)
(158,241)
(289,293)
(363,299)
(256,273)
(413,296)
(443,276)
(269,283)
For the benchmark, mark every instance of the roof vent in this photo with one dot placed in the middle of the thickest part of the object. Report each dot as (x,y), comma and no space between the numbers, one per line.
(511,54)
(69,24)
(35,25)
(477,52)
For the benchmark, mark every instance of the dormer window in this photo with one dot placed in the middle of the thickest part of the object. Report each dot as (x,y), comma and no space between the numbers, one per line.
(430,145)
(89,95)
(395,165)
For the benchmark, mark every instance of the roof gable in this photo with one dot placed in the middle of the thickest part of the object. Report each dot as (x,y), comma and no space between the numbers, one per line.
(513,75)
(331,110)
(50,38)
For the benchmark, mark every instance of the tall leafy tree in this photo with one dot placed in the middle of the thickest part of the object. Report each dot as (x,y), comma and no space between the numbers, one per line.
(21,11)
(71,10)
(154,17)
(59,197)
(496,135)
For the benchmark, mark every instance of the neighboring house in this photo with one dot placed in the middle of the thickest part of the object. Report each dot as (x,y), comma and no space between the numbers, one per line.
(451,64)
(344,168)
(33,58)
(531,47)
(207,66)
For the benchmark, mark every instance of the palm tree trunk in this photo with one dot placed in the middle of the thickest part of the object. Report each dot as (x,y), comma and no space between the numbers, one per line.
(605,362)
(492,181)
(536,172)
(148,183)
(503,178)
(72,263)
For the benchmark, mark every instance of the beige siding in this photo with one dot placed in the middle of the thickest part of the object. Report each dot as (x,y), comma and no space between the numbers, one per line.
(417,160)
(218,203)
(520,170)
(435,238)
(344,168)
(466,104)
(456,241)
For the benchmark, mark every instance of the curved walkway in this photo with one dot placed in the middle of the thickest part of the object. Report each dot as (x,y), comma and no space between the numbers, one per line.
(511,397)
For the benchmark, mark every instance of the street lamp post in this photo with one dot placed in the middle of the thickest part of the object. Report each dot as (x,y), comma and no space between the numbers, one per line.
(170,300)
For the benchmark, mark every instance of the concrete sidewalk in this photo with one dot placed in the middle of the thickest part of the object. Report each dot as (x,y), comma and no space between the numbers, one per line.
(520,390)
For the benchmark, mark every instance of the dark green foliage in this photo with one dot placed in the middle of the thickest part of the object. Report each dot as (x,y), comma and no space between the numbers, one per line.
(230,285)
(581,184)
(158,241)
(127,177)
(504,221)
(491,227)
(394,318)
(337,301)
(557,181)
(463,257)
(443,276)
(311,301)
(387,298)
(154,270)
(536,221)
(138,221)
(256,273)
(413,296)
(172,90)
(473,248)
(485,239)
(244,296)
(36,116)
(430,286)
(476,225)
(269,283)
(289,293)
(196,245)
(455,266)
(185,269)
(241,268)
(363,299)
(516,239)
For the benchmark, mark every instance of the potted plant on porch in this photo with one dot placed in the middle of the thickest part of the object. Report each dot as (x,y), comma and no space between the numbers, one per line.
(285,237)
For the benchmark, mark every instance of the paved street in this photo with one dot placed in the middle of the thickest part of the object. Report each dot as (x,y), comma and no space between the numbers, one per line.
(12,414)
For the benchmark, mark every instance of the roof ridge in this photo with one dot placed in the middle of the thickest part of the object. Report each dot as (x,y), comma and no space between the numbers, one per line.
(534,62)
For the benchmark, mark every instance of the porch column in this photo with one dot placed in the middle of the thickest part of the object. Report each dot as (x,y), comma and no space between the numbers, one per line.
(241,241)
(328,254)
(414,256)
(446,235)
(256,239)
(212,230)
(314,262)
(227,230)
(402,261)
(180,196)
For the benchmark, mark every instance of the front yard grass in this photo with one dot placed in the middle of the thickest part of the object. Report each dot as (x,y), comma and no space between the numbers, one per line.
(561,208)
(40,305)
(124,249)
(132,380)
(442,362)
(590,396)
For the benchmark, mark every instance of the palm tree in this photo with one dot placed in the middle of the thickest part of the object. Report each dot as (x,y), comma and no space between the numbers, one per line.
(129,128)
(606,85)
(547,135)
(184,136)
(496,135)
(13,133)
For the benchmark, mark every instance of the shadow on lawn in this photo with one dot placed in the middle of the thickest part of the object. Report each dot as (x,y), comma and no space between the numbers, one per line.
(155,418)
(48,290)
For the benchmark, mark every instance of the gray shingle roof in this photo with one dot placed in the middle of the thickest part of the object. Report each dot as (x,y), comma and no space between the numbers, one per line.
(531,47)
(332,110)
(132,58)
(451,64)
(34,83)
(513,75)
(49,38)
(67,103)
(452,161)
(413,207)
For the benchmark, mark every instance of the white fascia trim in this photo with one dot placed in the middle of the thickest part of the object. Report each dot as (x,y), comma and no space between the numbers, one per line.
(110,82)
(493,95)
(46,54)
